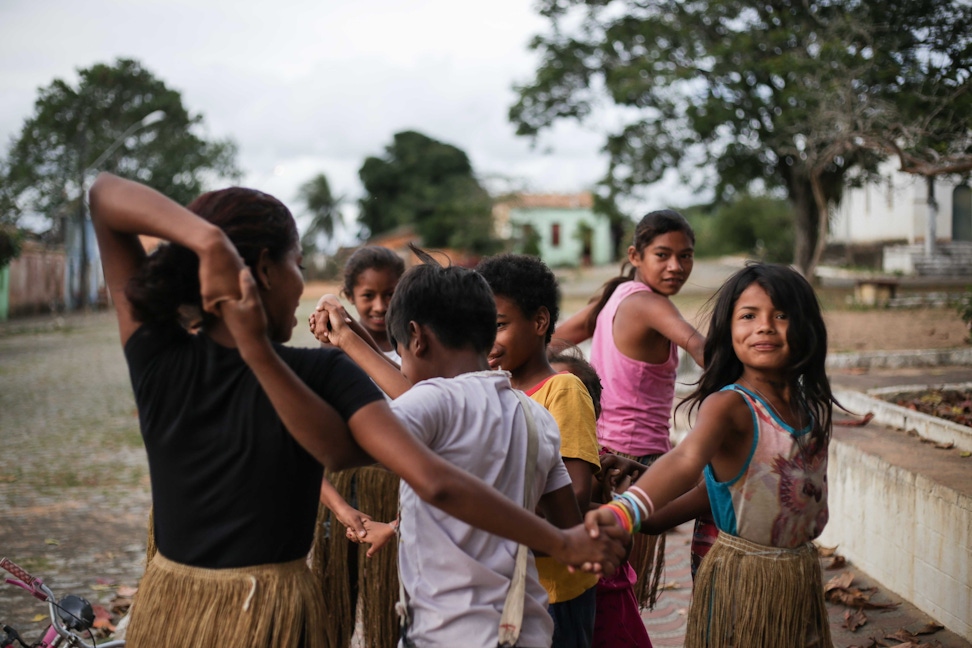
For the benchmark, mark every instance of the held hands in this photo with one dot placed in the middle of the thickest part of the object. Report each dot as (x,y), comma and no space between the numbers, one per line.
(330,322)
(617,473)
(377,534)
(595,547)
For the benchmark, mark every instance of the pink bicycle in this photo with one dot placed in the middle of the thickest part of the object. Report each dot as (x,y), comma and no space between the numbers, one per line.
(71,617)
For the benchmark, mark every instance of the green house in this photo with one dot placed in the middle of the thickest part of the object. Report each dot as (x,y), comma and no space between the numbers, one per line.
(562,229)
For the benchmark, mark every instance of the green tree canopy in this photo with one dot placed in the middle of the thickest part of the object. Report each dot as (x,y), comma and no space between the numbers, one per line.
(73,126)
(430,185)
(741,88)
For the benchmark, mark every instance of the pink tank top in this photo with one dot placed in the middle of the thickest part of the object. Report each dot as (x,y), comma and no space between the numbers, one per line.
(637,397)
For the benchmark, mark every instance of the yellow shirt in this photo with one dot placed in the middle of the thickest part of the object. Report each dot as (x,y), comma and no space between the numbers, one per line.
(567,399)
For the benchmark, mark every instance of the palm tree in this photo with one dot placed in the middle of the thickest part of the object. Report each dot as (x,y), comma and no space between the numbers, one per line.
(323,206)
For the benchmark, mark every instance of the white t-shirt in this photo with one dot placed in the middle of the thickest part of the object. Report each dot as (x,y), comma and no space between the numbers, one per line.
(457,576)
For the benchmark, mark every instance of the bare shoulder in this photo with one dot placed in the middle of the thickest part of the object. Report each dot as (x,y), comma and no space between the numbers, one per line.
(725,406)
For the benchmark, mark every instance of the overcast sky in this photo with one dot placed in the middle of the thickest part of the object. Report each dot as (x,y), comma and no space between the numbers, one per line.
(314,86)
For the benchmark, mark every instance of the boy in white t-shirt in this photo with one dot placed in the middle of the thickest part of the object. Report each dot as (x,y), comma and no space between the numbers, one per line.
(457,576)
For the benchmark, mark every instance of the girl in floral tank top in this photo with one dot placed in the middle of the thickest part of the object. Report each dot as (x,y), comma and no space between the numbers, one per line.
(760,437)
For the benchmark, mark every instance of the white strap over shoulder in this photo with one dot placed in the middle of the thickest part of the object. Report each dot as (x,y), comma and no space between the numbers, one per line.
(511,621)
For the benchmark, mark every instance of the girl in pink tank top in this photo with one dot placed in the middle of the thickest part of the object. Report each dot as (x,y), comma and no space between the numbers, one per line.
(636,331)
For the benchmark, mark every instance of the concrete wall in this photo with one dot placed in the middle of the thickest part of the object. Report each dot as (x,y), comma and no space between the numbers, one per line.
(908,528)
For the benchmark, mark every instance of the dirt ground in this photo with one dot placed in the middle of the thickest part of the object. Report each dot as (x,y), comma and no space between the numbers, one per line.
(74,492)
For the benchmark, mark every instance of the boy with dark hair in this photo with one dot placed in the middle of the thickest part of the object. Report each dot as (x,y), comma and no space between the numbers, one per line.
(526,295)
(457,577)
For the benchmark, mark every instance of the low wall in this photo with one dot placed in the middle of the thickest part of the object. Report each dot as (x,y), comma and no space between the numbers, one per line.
(902,511)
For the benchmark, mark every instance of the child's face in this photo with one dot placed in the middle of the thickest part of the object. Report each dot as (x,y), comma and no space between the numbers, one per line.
(372,293)
(516,337)
(759,331)
(665,264)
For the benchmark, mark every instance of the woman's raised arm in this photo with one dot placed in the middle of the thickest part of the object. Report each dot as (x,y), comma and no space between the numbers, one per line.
(122,210)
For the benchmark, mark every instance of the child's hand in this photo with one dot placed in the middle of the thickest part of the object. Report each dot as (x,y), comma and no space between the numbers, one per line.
(378,534)
(600,553)
(219,269)
(617,473)
(244,316)
(330,322)
(353,520)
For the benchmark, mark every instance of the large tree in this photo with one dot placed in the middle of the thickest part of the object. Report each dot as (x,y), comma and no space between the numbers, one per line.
(430,185)
(78,130)
(733,87)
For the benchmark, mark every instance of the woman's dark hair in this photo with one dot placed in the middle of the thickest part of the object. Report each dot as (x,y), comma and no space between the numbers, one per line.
(651,226)
(168,282)
(573,357)
(806,337)
(526,281)
(368,258)
(455,303)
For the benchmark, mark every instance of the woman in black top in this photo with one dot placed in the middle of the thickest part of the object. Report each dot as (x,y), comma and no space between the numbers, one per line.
(236,426)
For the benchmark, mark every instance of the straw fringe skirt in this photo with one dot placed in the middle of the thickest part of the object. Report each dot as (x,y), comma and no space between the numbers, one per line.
(749,595)
(372,490)
(275,606)
(647,556)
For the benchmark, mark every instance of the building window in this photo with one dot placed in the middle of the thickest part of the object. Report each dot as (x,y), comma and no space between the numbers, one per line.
(555,235)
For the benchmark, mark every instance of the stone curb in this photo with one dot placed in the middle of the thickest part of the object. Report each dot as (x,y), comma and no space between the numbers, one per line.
(928,427)
(900,359)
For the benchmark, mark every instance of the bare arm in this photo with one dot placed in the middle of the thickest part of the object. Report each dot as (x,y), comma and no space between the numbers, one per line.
(121,210)
(574,328)
(658,313)
(332,324)
(680,510)
(346,514)
(581,477)
(721,436)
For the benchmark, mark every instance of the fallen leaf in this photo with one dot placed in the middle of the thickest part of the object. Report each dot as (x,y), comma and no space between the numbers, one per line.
(854,620)
(929,628)
(843,581)
(102,618)
(51,541)
(838,562)
(102,587)
(670,586)
(8,479)
(966,453)
(861,422)
(39,617)
(826,552)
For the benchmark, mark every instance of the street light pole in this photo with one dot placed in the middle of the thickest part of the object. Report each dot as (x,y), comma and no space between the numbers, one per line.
(149,119)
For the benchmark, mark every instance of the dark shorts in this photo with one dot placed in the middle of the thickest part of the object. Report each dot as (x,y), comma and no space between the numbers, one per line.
(574,620)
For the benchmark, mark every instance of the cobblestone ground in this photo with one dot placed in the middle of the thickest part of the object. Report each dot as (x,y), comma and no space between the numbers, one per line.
(74,491)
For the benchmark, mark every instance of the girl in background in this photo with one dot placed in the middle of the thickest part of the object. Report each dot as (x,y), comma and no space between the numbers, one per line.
(636,331)
(359,589)
(761,437)
(370,277)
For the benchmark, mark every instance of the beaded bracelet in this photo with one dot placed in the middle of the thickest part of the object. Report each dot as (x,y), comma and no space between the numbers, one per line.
(623,515)
(644,496)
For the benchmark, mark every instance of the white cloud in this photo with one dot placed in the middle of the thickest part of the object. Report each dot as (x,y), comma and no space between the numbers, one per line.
(312,86)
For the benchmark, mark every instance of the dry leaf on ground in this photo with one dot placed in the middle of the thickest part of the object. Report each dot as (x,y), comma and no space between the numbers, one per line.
(854,620)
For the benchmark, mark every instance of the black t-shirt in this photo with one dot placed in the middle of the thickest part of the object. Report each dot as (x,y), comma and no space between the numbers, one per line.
(230,486)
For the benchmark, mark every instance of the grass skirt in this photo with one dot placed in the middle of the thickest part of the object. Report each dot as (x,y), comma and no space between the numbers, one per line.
(647,556)
(264,606)
(372,490)
(748,595)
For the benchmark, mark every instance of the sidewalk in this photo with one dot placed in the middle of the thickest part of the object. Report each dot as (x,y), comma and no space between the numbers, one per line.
(883,627)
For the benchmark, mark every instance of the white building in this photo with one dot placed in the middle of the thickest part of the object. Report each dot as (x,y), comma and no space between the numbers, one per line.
(895,211)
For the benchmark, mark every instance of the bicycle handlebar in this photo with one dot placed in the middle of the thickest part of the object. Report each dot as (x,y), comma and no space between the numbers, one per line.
(18,571)
(37,588)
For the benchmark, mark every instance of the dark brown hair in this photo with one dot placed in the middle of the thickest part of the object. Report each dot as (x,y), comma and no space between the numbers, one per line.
(652,225)
(169,279)
(368,258)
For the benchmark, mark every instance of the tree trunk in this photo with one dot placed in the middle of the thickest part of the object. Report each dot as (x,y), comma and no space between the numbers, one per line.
(807,222)
(931,224)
